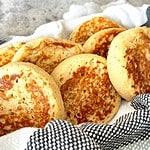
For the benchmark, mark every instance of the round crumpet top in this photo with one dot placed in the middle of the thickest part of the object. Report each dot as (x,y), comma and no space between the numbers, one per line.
(86,90)
(47,52)
(99,42)
(128,62)
(29,97)
(88,28)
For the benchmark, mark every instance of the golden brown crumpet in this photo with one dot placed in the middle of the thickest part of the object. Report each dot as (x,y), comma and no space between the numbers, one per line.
(47,52)
(88,28)
(128,62)
(86,90)
(99,42)
(29,97)
(8,52)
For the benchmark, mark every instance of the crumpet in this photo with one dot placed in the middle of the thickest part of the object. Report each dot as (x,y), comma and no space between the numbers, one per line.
(128,62)
(88,28)
(29,97)
(8,52)
(47,52)
(99,42)
(86,90)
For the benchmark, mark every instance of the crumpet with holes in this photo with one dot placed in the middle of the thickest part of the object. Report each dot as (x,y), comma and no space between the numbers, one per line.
(128,62)
(86,90)
(99,42)
(88,28)
(29,97)
(7,52)
(47,52)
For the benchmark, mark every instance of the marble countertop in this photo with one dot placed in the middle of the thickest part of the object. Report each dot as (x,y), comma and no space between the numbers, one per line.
(22,17)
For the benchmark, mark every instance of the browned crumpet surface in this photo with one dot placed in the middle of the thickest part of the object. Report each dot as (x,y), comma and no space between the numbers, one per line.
(129,61)
(8,52)
(47,52)
(99,42)
(29,97)
(88,28)
(86,89)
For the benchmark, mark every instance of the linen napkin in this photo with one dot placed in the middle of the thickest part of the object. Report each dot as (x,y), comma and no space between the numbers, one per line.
(127,132)
(130,127)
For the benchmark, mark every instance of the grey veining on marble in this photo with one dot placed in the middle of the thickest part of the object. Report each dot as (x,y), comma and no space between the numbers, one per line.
(22,17)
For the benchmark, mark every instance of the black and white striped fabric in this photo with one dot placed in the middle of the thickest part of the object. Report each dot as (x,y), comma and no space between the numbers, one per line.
(126,132)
